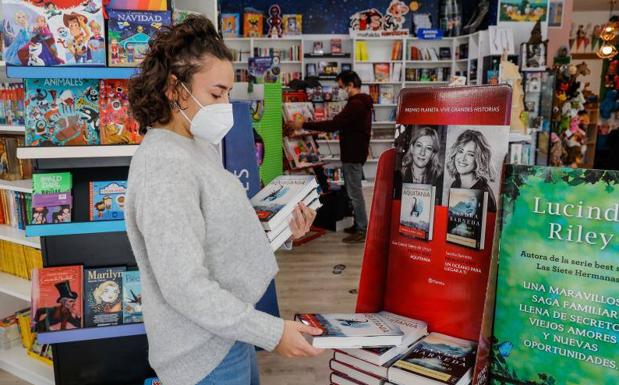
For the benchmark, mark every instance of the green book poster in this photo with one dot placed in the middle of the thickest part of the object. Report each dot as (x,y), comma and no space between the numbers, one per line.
(557,306)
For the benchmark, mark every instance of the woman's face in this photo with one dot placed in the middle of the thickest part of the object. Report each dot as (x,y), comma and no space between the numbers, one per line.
(423,151)
(110,294)
(465,158)
(210,86)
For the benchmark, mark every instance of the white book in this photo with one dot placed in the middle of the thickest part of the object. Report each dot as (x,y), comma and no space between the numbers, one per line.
(342,379)
(310,199)
(413,330)
(350,372)
(275,202)
(354,330)
(396,75)
(286,233)
(436,359)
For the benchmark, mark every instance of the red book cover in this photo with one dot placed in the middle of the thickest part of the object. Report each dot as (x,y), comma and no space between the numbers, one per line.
(450,138)
(117,125)
(57,298)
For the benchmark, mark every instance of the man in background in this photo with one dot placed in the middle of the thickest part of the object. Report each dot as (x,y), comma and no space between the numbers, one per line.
(354,124)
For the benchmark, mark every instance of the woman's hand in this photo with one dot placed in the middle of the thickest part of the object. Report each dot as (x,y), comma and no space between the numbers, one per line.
(302,219)
(293,344)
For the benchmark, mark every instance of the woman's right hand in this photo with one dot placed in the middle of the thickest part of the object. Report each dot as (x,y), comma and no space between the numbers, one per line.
(294,344)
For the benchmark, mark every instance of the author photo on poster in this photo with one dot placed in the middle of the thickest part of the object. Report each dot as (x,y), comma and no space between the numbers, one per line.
(474,159)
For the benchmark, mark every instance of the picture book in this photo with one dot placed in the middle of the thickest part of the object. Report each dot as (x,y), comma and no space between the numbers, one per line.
(107,200)
(53,33)
(57,298)
(413,330)
(468,209)
(132,297)
(139,5)
(51,208)
(53,182)
(417,211)
(336,47)
(438,357)
(298,111)
(231,24)
(117,124)
(334,108)
(356,330)
(62,112)
(301,152)
(382,72)
(387,94)
(277,200)
(253,23)
(556,314)
(320,112)
(264,69)
(293,25)
(129,33)
(328,69)
(103,298)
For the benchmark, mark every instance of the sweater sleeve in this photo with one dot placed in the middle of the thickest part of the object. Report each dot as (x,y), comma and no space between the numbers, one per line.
(342,121)
(169,217)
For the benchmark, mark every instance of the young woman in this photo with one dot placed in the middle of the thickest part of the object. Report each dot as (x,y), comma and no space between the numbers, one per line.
(203,256)
(469,163)
(421,162)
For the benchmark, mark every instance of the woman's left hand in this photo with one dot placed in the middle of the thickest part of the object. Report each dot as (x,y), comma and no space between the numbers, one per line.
(302,219)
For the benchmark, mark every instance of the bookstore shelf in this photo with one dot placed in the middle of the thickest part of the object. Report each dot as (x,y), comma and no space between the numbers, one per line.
(88,334)
(383,123)
(462,60)
(11,129)
(428,61)
(378,61)
(385,105)
(22,185)
(290,62)
(111,151)
(289,38)
(17,362)
(66,72)
(11,234)
(392,83)
(327,56)
(426,82)
(75,228)
(15,287)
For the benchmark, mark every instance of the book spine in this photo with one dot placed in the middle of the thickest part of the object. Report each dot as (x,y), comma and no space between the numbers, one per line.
(91,202)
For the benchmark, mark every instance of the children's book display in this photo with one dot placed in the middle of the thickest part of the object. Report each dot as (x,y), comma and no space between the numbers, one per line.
(129,33)
(62,112)
(12,104)
(264,69)
(117,124)
(52,33)
(57,298)
(301,152)
(51,198)
(103,298)
(447,140)
(107,200)
(557,292)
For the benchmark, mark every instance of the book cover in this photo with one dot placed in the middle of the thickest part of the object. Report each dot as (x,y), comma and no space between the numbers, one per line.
(132,297)
(293,25)
(231,24)
(117,124)
(107,200)
(417,211)
(139,5)
(557,277)
(253,23)
(320,112)
(382,72)
(336,47)
(62,112)
(437,357)
(57,298)
(301,152)
(9,164)
(51,208)
(264,69)
(103,296)
(467,215)
(348,371)
(387,94)
(53,33)
(53,182)
(129,33)
(298,111)
(328,69)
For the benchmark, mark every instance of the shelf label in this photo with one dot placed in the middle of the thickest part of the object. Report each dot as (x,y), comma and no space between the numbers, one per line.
(429,34)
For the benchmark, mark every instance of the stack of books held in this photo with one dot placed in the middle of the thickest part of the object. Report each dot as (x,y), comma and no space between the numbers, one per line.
(389,349)
(275,204)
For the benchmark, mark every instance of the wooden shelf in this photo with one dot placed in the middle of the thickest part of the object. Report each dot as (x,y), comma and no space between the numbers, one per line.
(22,185)
(17,362)
(15,287)
(11,234)
(12,129)
(88,334)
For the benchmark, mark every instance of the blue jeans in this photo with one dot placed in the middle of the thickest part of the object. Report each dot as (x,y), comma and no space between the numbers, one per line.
(238,368)
(353,175)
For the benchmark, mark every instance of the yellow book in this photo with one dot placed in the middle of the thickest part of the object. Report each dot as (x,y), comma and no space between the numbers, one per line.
(2,257)
(10,259)
(357,51)
(21,257)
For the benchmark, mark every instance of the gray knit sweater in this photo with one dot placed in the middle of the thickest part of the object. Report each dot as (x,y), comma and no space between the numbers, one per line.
(204,259)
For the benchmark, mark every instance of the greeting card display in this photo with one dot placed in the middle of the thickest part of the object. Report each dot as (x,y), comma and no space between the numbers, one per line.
(54,32)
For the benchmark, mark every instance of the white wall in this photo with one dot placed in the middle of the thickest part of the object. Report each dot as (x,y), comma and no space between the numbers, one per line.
(207,7)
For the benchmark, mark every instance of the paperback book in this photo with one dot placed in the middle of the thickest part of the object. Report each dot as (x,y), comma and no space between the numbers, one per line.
(298,111)
(132,297)
(57,298)
(117,124)
(417,211)
(382,72)
(51,208)
(349,331)
(435,360)
(468,209)
(103,296)
(281,235)
(62,112)
(253,23)
(107,200)
(301,152)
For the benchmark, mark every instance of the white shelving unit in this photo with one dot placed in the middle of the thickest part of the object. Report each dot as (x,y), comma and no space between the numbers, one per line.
(15,287)
(23,185)
(12,129)
(76,152)
(17,362)
(11,234)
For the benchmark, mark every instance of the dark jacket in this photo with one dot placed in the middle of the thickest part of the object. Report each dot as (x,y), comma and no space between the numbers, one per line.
(355,126)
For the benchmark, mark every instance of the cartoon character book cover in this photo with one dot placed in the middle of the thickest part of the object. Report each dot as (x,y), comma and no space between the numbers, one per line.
(117,124)
(53,32)
(62,112)
(57,298)
(129,33)
(107,200)
(132,297)
(231,23)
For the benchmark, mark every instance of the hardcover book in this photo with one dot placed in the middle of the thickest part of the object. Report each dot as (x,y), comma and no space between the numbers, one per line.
(253,23)
(382,72)
(117,124)
(57,298)
(342,379)
(298,111)
(556,305)
(348,331)
(139,5)
(344,357)
(327,69)
(264,69)
(231,24)
(54,182)
(417,211)
(132,297)
(468,209)
(103,296)
(129,34)
(293,25)
(53,33)
(62,112)
(107,200)
(387,94)
(301,152)
(436,359)
(350,372)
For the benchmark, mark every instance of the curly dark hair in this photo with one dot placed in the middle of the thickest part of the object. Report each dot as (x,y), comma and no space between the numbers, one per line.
(177,51)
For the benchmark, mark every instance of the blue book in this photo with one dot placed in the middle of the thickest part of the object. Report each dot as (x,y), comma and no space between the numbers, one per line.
(132,297)
(107,200)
